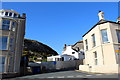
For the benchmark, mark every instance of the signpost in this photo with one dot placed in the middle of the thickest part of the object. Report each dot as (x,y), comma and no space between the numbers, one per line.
(117,51)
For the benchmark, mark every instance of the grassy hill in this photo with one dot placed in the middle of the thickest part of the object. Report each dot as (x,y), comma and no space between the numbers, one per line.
(37,49)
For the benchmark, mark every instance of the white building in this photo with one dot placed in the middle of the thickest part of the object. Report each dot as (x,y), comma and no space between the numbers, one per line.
(63,57)
(102,47)
(71,52)
(76,50)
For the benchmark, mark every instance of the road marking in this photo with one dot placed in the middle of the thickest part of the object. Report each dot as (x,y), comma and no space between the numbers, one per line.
(98,74)
(50,77)
(70,76)
(61,77)
(88,75)
(79,76)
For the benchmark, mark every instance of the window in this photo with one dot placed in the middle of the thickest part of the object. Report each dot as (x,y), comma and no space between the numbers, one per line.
(104,36)
(73,52)
(13,26)
(93,39)
(86,44)
(3,43)
(96,61)
(5,24)
(95,57)
(10,14)
(95,53)
(118,35)
(2,13)
(2,63)
(6,13)
(56,59)
(62,58)
(11,44)
(15,15)
(2,60)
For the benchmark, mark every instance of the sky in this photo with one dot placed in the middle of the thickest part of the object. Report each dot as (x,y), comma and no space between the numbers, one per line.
(59,23)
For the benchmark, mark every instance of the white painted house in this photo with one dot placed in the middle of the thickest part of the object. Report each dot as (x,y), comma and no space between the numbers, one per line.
(71,52)
(63,57)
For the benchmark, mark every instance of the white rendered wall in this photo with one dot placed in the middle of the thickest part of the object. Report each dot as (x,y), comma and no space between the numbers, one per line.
(69,51)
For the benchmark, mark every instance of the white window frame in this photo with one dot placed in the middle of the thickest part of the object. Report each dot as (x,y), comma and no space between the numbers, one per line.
(106,36)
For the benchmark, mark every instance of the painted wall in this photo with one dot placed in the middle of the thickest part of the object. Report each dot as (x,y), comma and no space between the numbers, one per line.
(105,51)
(69,51)
(66,58)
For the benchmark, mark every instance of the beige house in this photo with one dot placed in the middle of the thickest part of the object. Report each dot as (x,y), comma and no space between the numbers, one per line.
(101,47)
(12,31)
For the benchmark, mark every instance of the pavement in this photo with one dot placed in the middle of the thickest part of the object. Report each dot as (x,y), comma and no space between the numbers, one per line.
(67,74)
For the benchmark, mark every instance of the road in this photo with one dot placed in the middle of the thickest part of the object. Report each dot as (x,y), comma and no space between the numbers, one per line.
(68,74)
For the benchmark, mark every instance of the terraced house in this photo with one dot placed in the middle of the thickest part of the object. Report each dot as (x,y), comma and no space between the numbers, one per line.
(102,46)
(12,31)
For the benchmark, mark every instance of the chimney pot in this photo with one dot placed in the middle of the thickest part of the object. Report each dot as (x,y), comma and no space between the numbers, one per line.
(23,15)
(101,15)
(118,20)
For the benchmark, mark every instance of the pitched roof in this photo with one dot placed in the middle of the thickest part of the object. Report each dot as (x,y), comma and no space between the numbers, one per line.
(100,22)
(81,41)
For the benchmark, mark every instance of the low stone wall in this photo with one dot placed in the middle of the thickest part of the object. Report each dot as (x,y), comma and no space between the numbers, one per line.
(100,68)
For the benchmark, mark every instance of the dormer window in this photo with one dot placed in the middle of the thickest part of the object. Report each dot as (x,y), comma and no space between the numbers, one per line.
(15,15)
(6,13)
(10,14)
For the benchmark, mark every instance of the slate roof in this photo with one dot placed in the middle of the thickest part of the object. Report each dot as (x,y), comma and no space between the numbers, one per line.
(100,22)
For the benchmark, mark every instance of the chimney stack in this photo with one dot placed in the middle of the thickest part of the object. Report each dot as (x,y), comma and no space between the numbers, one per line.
(64,47)
(118,20)
(23,15)
(101,15)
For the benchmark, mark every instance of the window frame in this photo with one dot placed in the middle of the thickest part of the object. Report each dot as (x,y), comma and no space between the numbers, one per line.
(118,37)
(6,24)
(73,52)
(103,36)
(86,44)
(93,40)
(3,65)
(13,26)
(7,43)
(95,57)
(6,13)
